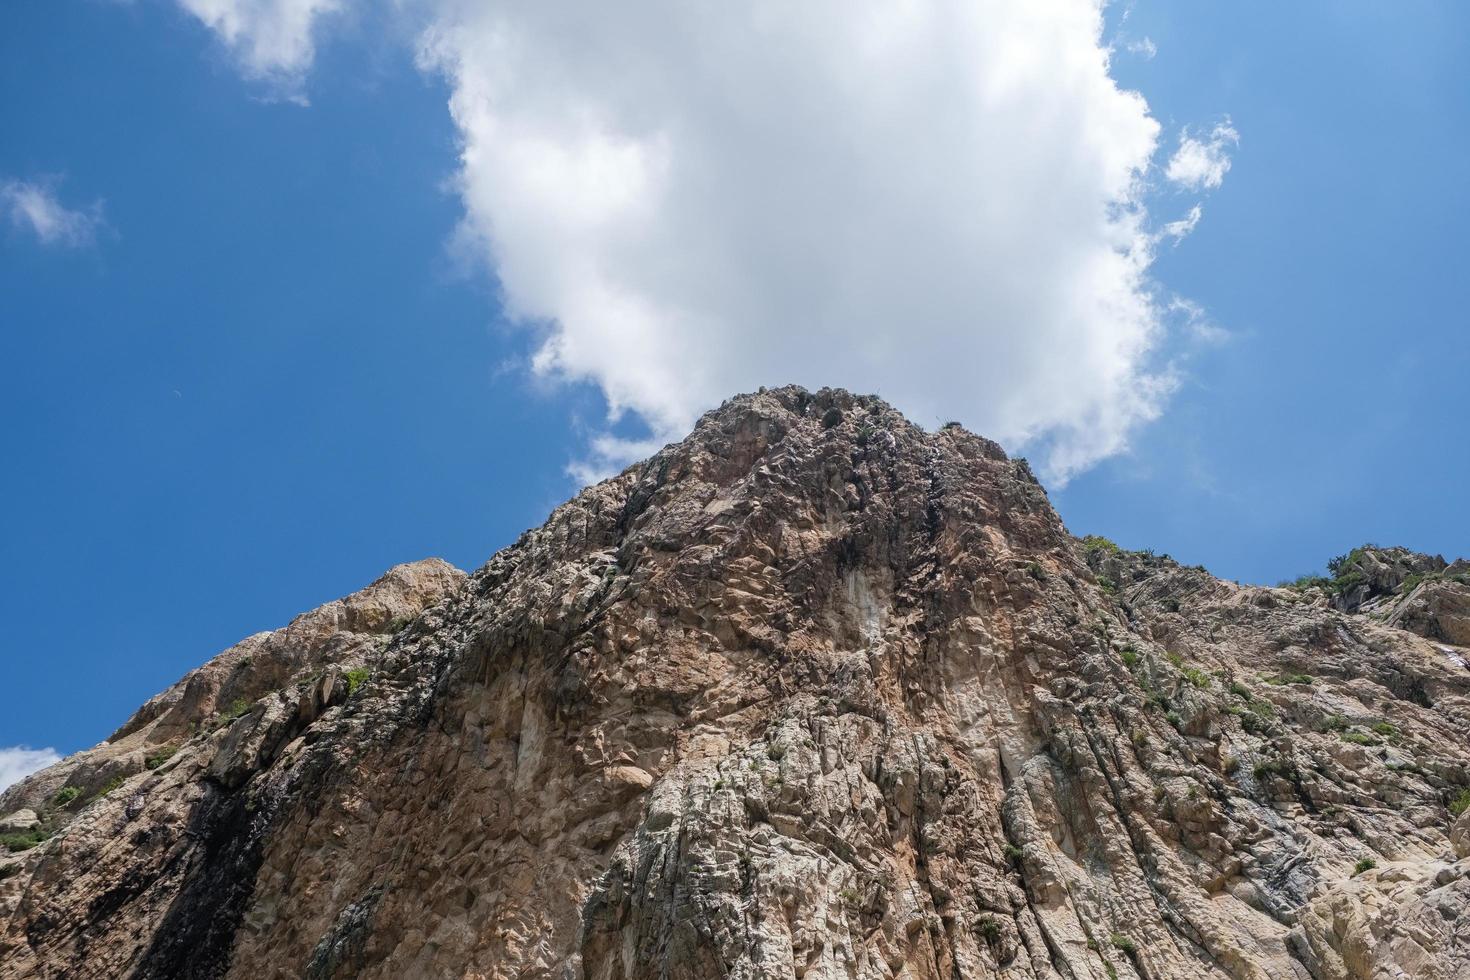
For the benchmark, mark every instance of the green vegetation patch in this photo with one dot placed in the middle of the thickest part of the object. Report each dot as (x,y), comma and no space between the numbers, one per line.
(161,756)
(24,840)
(1367,864)
(65,795)
(356,677)
(1281,680)
(1460,803)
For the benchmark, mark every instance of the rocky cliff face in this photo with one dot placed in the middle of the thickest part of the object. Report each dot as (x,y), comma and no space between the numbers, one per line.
(813,693)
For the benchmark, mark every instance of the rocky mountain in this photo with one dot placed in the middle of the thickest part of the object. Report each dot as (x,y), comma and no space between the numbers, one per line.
(813,693)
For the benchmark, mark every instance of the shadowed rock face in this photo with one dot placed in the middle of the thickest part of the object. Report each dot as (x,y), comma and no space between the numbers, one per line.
(813,693)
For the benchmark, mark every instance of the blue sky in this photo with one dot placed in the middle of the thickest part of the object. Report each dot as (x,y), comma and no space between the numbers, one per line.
(272,348)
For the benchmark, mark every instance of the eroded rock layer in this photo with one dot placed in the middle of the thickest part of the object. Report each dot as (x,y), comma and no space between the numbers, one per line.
(813,693)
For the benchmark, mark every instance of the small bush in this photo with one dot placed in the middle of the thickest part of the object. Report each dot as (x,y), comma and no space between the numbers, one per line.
(1367,864)
(1285,679)
(832,417)
(1196,677)
(1304,582)
(1175,659)
(1130,657)
(1014,854)
(1173,718)
(9,871)
(1240,690)
(1273,767)
(1262,709)
(161,756)
(1386,729)
(65,795)
(989,928)
(1460,803)
(356,677)
(1124,945)
(110,785)
(1333,723)
(1108,586)
(1097,545)
(238,708)
(1035,570)
(1358,738)
(23,840)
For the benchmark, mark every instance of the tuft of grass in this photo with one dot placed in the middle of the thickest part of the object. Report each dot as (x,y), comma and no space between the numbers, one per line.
(1130,657)
(1358,738)
(9,871)
(1124,945)
(1014,854)
(1284,679)
(65,795)
(1367,864)
(356,677)
(1240,690)
(989,928)
(1333,723)
(1175,659)
(1386,729)
(1172,717)
(1108,586)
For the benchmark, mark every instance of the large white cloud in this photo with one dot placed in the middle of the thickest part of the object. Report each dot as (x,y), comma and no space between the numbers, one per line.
(940,202)
(18,761)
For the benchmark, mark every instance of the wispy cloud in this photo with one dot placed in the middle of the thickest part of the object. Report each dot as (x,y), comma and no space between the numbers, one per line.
(32,205)
(1201,163)
(1179,229)
(19,761)
(1144,47)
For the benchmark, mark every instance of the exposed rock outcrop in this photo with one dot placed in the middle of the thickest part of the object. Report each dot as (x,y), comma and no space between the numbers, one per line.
(813,693)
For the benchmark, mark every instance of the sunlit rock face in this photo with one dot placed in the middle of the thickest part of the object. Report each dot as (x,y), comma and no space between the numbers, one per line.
(813,693)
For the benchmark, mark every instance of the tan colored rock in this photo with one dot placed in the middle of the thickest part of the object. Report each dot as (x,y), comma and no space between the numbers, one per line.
(19,820)
(813,693)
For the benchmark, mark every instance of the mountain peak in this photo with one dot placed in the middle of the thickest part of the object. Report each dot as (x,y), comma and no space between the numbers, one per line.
(813,692)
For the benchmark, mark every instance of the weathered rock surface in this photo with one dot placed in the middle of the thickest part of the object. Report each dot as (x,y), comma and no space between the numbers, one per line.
(813,693)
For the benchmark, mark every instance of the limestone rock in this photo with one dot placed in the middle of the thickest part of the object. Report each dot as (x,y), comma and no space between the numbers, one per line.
(813,693)
(19,820)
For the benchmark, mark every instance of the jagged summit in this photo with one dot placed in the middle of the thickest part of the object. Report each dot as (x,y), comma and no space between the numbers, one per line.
(811,693)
